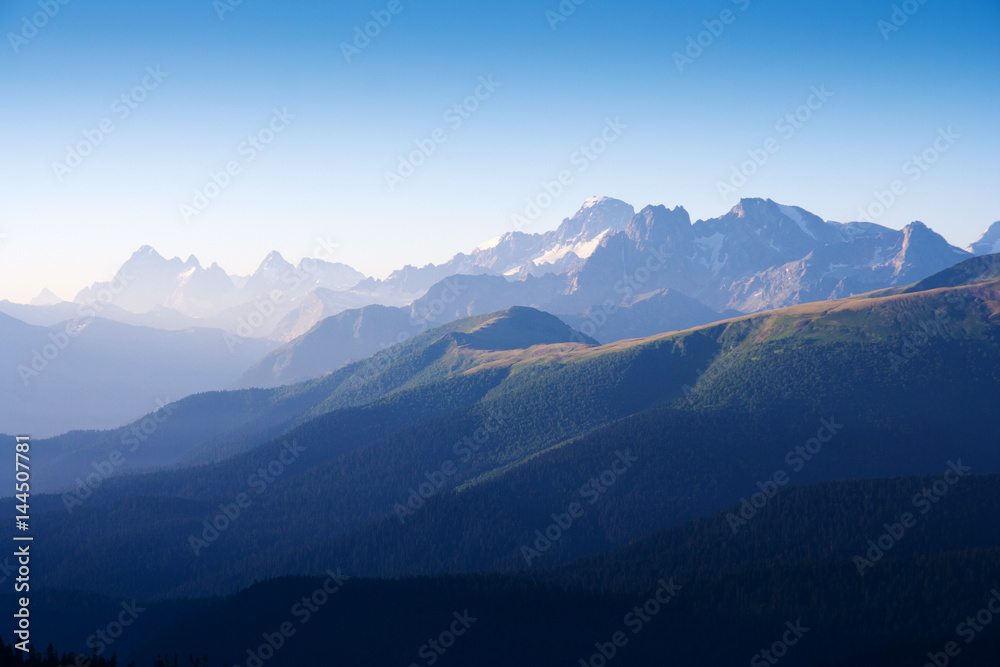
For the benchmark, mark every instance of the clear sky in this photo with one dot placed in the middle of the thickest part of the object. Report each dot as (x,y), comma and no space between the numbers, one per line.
(555,84)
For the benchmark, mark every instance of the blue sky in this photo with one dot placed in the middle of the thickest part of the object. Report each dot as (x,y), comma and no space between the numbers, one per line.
(344,125)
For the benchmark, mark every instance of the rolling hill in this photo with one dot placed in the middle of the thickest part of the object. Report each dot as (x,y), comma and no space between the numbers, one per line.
(508,437)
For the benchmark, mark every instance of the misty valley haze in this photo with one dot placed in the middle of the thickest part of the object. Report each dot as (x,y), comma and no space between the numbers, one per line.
(607,271)
(547,333)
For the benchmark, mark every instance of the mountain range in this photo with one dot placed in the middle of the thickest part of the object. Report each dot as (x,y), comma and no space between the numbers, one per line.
(742,464)
(640,274)
(607,271)
(758,255)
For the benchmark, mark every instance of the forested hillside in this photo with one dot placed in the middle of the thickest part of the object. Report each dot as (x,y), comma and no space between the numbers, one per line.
(463,452)
(793,561)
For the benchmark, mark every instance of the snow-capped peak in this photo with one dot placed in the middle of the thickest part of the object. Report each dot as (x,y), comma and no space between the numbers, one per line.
(592,201)
(489,245)
(988,242)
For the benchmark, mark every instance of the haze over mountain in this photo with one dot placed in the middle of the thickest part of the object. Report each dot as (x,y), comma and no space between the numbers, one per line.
(758,255)
(324,344)
(656,271)
(214,425)
(485,342)
(91,373)
(608,272)
(148,283)
(45,298)
(542,420)
(455,450)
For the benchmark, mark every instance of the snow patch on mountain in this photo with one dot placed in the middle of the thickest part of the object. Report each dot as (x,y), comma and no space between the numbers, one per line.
(593,201)
(795,216)
(713,246)
(488,245)
(581,250)
(988,242)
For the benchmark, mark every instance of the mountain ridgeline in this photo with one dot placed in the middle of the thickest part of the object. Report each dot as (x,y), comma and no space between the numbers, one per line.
(608,270)
(447,452)
(614,275)
(826,469)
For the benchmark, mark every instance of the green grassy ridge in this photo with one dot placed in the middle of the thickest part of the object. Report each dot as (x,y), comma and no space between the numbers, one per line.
(352,477)
(899,428)
(595,396)
(775,377)
(251,417)
(217,425)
